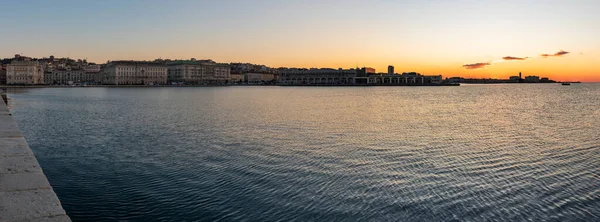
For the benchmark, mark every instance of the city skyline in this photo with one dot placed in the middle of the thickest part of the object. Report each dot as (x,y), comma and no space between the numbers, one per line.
(490,39)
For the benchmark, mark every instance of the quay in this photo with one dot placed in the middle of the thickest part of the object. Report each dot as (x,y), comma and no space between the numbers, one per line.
(377,84)
(25,193)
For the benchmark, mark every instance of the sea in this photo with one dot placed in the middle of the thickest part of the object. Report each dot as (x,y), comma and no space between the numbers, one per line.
(506,152)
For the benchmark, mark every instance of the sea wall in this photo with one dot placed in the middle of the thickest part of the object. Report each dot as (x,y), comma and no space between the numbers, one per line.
(25,193)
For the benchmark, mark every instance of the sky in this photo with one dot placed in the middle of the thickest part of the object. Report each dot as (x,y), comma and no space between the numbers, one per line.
(559,39)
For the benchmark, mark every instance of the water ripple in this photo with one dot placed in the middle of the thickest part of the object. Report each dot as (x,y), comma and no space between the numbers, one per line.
(472,153)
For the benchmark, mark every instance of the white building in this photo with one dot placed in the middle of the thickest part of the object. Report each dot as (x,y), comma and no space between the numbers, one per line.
(24,73)
(134,73)
(68,76)
(256,78)
(198,72)
(216,73)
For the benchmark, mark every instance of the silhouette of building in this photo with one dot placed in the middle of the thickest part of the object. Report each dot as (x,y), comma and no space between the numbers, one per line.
(532,79)
(361,76)
(316,76)
(390,70)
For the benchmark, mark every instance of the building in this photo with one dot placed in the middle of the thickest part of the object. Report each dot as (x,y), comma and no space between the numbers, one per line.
(406,78)
(134,73)
(532,79)
(369,70)
(92,74)
(236,77)
(198,72)
(187,72)
(71,76)
(363,76)
(390,70)
(92,68)
(3,75)
(259,78)
(315,76)
(216,73)
(455,80)
(514,79)
(64,77)
(24,72)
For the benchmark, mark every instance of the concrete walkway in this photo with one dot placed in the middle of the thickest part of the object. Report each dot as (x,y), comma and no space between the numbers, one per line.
(25,194)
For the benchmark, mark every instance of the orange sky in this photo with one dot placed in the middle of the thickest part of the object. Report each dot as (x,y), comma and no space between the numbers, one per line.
(430,37)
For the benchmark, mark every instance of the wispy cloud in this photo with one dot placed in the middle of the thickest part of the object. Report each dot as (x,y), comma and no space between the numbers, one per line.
(514,58)
(560,53)
(477,65)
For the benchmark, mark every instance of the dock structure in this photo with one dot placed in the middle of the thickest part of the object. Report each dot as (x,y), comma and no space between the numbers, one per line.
(25,193)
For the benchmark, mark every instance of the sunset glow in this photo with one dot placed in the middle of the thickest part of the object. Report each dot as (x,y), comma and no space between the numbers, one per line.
(555,38)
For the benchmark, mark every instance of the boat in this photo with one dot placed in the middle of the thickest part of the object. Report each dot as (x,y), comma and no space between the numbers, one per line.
(566,84)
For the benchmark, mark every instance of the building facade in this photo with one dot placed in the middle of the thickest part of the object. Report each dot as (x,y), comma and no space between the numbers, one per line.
(363,76)
(410,78)
(216,73)
(184,73)
(258,78)
(236,77)
(533,79)
(317,76)
(68,77)
(134,73)
(198,72)
(24,73)
(3,75)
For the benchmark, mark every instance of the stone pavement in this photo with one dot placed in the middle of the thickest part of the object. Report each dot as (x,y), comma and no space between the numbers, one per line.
(25,194)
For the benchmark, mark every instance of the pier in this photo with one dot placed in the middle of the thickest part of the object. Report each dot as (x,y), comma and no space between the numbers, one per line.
(25,193)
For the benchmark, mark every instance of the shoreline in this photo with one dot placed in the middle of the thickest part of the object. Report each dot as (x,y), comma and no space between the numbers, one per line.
(238,85)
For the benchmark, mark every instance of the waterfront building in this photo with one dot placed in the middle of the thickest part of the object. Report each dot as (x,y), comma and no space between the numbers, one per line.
(187,72)
(532,79)
(65,76)
(390,70)
(315,76)
(68,76)
(48,78)
(134,73)
(216,73)
(406,78)
(3,75)
(236,77)
(256,78)
(455,80)
(514,78)
(198,72)
(361,76)
(24,72)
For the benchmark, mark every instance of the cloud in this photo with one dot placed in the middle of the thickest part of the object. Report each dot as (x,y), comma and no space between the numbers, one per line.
(513,58)
(560,53)
(477,65)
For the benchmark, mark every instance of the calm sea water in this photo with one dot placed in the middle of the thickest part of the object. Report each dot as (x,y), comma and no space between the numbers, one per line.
(468,153)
